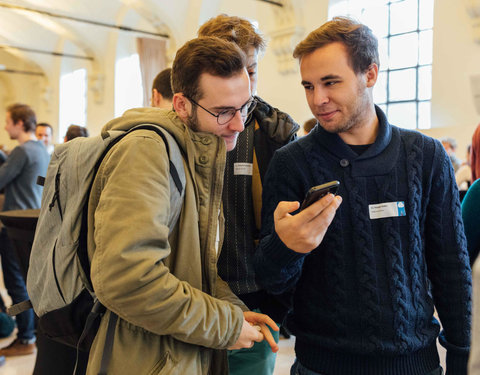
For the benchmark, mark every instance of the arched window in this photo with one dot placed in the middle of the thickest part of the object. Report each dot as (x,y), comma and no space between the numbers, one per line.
(405,33)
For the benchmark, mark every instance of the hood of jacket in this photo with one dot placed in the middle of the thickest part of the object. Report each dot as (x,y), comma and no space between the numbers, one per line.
(150,115)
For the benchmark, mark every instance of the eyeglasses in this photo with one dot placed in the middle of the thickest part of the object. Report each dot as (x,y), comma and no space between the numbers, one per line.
(226,115)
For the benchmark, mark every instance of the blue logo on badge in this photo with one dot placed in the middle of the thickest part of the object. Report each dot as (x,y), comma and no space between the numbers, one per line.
(401,209)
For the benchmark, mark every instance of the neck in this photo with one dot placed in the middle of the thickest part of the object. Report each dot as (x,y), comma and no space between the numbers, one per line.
(25,137)
(364,132)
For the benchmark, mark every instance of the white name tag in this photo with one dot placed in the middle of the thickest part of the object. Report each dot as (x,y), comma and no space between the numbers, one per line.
(388,209)
(243,169)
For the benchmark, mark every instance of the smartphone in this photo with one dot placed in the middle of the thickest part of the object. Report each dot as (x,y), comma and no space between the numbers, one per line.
(317,192)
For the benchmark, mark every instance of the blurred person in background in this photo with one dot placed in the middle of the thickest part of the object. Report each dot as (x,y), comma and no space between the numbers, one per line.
(18,175)
(450,145)
(470,214)
(309,125)
(162,90)
(463,176)
(75,131)
(475,154)
(44,133)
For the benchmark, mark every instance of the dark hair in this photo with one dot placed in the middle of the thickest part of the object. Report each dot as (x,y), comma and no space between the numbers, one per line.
(234,29)
(361,44)
(22,112)
(210,55)
(162,83)
(309,125)
(75,131)
(45,125)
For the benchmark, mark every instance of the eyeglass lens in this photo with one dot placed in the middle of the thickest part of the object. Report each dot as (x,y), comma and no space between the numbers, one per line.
(227,115)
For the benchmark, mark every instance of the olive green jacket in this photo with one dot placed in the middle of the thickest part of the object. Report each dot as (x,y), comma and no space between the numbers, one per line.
(162,282)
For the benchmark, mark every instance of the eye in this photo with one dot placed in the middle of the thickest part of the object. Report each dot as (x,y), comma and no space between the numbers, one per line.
(226,113)
(308,87)
(331,83)
(252,73)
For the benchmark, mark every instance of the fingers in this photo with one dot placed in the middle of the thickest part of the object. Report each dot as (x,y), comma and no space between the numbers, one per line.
(326,214)
(258,318)
(329,201)
(285,208)
(304,231)
(269,337)
(263,321)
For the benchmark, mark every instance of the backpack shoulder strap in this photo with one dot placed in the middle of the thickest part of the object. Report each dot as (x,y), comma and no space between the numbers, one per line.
(177,175)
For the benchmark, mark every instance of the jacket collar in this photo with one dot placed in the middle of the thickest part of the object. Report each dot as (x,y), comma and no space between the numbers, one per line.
(378,159)
(278,125)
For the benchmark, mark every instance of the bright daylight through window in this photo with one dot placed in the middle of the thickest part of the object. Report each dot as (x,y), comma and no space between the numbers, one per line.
(73,101)
(128,84)
(405,33)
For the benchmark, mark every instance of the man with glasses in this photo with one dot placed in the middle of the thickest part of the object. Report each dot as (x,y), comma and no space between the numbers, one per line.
(160,278)
(266,130)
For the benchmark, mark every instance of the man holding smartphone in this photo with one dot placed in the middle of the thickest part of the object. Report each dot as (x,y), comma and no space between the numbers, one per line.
(393,251)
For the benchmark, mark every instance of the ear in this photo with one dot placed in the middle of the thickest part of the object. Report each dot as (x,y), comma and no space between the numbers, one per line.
(371,75)
(182,106)
(19,123)
(156,98)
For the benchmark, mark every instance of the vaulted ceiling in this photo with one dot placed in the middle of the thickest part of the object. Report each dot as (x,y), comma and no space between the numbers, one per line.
(65,26)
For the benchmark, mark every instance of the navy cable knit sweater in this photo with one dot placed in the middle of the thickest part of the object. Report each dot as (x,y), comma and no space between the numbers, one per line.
(365,298)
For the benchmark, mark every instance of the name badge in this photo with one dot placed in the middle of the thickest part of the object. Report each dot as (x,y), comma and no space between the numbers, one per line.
(388,209)
(243,169)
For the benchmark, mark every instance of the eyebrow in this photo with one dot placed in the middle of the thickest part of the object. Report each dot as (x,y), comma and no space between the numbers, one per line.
(228,107)
(252,66)
(323,79)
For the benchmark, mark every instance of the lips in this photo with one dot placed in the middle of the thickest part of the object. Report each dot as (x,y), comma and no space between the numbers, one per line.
(231,137)
(327,115)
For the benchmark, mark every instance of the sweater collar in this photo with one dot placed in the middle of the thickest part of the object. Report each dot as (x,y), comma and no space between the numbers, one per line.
(378,159)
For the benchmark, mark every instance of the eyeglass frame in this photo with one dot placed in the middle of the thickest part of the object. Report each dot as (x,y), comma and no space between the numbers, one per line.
(251,107)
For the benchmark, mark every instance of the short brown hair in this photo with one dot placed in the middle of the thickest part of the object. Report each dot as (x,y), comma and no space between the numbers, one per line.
(45,125)
(309,125)
(22,112)
(75,131)
(210,55)
(162,83)
(361,44)
(234,29)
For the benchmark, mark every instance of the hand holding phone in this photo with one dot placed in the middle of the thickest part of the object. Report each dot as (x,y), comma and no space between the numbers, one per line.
(304,231)
(317,192)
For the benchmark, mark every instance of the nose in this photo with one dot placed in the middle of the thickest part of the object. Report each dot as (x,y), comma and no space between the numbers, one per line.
(320,96)
(237,123)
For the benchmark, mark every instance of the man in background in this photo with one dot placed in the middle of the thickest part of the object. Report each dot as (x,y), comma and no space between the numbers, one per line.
(44,133)
(162,90)
(75,131)
(18,176)
(309,125)
(266,130)
(450,146)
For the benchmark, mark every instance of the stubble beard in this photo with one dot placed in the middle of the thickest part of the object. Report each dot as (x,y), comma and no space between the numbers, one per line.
(192,120)
(356,117)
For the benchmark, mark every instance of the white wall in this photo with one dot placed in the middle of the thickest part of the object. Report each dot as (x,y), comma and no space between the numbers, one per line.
(19,88)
